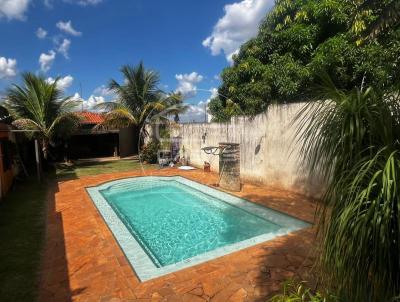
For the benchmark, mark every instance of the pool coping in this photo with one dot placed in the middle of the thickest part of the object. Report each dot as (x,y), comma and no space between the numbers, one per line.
(141,262)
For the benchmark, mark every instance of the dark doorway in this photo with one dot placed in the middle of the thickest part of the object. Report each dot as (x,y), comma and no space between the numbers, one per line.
(93,145)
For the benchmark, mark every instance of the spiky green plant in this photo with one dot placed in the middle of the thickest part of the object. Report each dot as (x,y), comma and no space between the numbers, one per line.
(39,108)
(139,99)
(352,139)
(299,292)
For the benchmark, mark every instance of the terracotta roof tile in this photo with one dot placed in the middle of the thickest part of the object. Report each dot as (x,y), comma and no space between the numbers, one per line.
(91,117)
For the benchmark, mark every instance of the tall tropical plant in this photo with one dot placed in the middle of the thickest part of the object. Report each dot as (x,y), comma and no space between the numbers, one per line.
(139,99)
(40,109)
(352,139)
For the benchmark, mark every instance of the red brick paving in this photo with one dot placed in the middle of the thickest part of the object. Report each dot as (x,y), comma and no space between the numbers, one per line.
(83,262)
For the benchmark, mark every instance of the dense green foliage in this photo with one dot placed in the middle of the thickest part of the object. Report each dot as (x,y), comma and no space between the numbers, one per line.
(299,292)
(149,152)
(387,14)
(297,40)
(39,108)
(353,142)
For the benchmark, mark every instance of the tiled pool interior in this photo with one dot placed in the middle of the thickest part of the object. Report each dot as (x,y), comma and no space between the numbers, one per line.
(164,224)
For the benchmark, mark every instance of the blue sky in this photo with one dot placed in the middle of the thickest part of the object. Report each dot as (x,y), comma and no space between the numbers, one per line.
(86,41)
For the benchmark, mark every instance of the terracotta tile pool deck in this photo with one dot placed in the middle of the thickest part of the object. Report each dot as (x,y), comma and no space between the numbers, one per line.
(83,262)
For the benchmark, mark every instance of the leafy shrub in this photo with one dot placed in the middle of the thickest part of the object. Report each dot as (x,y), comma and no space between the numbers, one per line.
(299,292)
(149,152)
(353,142)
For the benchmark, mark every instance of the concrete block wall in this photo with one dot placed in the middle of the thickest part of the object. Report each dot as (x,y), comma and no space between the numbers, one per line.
(269,153)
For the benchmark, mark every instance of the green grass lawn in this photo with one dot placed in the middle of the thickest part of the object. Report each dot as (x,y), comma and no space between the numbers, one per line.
(93,168)
(22,227)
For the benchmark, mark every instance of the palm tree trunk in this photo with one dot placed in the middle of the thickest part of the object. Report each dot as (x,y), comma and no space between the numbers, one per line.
(137,139)
(45,148)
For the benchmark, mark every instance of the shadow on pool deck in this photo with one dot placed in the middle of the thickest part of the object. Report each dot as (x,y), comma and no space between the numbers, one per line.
(54,271)
(83,262)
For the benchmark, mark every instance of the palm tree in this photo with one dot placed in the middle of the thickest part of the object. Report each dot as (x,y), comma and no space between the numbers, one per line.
(39,108)
(352,139)
(139,100)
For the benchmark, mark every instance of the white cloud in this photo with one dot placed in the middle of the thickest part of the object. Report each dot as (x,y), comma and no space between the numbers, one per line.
(84,2)
(94,100)
(197,112)
(63,83)
(41,33)
(63,48)
(68,28)
(88,104)
(8,67)
(239,24)
(46,60)
(103,91)
(187,83)
(13,9)
(214,93)
(49,3)
(89,2)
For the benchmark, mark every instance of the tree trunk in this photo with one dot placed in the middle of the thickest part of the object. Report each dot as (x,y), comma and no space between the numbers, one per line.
(45,148)
(139,136)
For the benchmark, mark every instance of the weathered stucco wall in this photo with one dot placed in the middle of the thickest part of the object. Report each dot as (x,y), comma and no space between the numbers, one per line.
(269,154)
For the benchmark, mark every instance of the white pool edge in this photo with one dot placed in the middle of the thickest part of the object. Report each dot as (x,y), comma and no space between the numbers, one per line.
(140,261)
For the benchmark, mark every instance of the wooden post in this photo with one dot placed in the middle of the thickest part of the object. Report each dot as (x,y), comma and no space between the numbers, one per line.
(38,167)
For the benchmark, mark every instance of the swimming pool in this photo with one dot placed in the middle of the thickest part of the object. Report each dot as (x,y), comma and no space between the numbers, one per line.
(164,224)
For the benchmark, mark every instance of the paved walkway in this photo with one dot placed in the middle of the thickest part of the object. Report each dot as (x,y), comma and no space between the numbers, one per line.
(83,262)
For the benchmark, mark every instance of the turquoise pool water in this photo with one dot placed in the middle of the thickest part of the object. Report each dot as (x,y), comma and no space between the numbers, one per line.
(174,222)
(164,224)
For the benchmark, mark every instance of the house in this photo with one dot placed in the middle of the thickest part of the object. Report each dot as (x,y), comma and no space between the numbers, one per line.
(90,142)
(7,171)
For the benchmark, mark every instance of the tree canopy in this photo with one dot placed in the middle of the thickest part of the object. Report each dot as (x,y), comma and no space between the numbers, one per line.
(40,108)
(354,42)
(139,101)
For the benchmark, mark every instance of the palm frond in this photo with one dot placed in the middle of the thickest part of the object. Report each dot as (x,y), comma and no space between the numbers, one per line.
(109,106)
(68,105)
(30,126)
(352,139)
(26,124)
(139,94)
(162,116)
(117,119)
(39,105)
(65,125)
(362,238)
